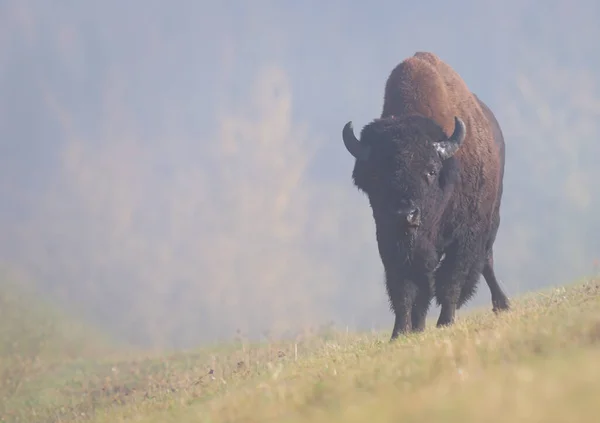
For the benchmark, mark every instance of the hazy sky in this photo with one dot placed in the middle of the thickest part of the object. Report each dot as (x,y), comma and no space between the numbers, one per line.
(175,171)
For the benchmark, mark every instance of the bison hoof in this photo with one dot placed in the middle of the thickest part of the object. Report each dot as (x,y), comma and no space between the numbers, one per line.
(501,305)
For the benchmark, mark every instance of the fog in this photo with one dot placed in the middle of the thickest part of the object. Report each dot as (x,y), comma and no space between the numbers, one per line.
(174,172)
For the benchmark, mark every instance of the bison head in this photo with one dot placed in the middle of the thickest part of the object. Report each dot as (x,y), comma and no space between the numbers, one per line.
(406,167)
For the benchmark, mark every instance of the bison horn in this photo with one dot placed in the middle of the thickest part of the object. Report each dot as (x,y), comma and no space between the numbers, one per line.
(353,145)
(447,149)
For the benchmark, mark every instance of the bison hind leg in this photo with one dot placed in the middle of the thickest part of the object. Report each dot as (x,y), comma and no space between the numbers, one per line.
(500,301)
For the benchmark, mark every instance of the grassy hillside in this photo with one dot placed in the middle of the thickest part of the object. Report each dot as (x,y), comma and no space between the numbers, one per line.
(36,341)
(536,363)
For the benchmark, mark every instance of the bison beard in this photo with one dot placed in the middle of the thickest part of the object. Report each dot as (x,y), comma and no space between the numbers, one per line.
(437,150)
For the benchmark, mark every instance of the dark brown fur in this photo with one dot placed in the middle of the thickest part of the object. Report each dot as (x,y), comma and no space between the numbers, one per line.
(460,215)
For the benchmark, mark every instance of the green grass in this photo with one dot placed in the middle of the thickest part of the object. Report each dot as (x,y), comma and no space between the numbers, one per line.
(537,363)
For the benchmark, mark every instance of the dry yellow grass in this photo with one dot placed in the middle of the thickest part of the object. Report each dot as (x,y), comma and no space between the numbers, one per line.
(536,363)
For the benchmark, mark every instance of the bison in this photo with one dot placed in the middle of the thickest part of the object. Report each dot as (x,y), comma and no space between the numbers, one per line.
(432,168)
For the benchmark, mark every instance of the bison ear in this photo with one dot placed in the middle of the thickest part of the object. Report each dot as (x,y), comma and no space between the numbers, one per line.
(353,145)
(448,148)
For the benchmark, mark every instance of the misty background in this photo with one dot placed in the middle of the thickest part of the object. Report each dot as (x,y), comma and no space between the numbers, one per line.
(174,172)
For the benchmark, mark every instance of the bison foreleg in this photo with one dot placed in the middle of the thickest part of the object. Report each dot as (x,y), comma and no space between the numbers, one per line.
(403,294)
(451,278)
(421,306)
(448,312)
